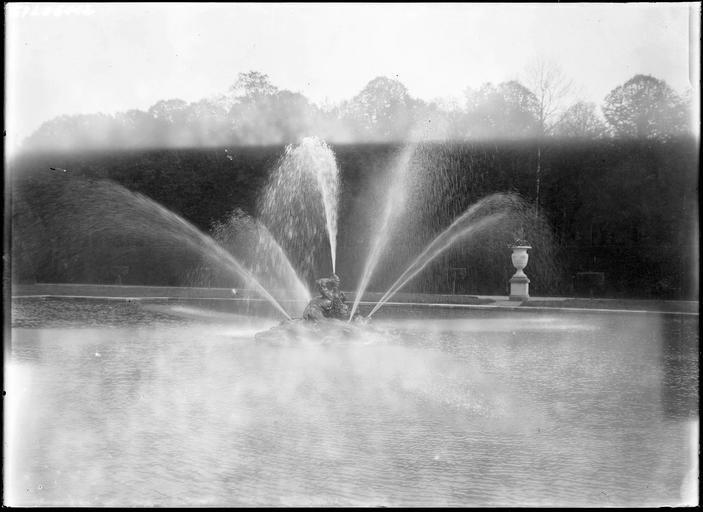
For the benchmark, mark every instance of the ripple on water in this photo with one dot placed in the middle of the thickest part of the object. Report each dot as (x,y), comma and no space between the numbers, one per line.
(182,415)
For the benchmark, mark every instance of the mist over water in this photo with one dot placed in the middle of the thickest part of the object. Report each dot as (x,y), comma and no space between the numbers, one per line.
(460,411)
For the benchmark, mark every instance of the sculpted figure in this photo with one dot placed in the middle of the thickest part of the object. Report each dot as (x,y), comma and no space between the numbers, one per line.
(331,302)
(330,306)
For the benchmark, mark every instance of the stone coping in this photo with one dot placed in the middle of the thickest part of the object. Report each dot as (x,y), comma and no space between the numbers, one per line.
(399,299)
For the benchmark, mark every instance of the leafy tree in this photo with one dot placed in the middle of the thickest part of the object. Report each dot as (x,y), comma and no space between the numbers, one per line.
(254,111)
(645,107)
(278,118)
(248,87)
(253,84)
(66,132)
(580,120)
(383,110)
(57,133)
(293,115)
(170,122)
(508,110)
(260,113)
(439,120)
(207,123)
(170,111)
(135,128)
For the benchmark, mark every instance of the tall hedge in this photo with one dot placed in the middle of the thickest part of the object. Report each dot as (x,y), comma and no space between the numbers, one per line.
(627,209)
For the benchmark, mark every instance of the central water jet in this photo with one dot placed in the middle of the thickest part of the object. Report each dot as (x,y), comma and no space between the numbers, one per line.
(301,196)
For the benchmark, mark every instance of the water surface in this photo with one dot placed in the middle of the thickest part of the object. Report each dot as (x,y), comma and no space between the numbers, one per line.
(117,404)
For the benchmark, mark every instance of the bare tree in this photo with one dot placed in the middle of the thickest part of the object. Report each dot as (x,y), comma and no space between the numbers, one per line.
(552,88)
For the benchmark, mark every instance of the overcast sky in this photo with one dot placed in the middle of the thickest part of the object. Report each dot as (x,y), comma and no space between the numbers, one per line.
(86,58)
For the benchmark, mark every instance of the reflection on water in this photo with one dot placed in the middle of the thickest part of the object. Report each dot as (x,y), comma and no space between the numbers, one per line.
(169,410)
(679,359)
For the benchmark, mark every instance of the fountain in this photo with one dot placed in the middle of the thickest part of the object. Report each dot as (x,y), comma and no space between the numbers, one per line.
(302,196)
(278,252)
(307,177)
(321,419)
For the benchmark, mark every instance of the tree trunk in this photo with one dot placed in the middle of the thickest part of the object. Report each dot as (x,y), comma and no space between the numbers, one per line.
(538,177)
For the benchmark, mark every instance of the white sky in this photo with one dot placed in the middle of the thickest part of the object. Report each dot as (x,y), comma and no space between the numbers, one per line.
(85,58)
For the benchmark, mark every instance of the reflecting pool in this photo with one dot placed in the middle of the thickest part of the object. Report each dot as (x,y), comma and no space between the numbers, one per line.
(119,403)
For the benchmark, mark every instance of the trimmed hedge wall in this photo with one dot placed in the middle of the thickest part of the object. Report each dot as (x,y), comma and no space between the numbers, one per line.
(628,209)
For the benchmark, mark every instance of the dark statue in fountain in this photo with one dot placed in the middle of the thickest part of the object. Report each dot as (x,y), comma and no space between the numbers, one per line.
(325,318)
(330,304)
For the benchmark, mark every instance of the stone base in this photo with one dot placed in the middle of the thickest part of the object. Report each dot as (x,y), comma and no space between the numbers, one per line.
(519,288)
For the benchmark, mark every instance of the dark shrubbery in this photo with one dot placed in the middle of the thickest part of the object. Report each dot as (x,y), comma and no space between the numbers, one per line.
(624,208)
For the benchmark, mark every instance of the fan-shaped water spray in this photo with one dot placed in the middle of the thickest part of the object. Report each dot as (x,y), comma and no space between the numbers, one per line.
(395,201)
(83,211)
(479,216)
(248,239)
(297,209)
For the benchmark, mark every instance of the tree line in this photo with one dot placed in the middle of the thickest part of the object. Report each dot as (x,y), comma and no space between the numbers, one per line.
(256,112)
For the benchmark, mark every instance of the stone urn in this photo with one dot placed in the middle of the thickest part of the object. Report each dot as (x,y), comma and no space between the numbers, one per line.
(520,283)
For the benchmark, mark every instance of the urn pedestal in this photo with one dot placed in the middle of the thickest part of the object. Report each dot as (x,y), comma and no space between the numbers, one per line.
(520,283)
